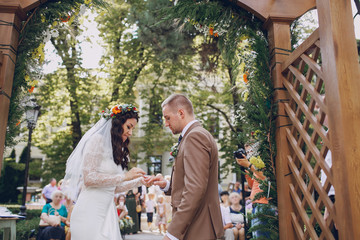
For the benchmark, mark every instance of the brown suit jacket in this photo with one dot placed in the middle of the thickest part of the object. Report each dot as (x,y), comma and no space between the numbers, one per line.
(194,188)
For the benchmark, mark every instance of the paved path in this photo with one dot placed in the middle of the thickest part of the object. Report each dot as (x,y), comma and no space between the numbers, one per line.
(145,236)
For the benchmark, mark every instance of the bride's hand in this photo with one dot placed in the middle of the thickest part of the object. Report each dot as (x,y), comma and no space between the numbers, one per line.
(134,173)
(147,181)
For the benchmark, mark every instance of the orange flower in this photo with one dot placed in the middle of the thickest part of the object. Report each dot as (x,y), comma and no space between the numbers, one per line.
(18,123)
(31,89)
(245,78)
(211,31)
(65,19)
(216,35)
(116,110)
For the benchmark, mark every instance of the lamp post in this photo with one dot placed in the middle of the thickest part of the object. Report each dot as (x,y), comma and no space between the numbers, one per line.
(32,110)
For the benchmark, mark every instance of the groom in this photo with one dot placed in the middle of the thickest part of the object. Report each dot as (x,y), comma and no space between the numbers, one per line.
(194,179)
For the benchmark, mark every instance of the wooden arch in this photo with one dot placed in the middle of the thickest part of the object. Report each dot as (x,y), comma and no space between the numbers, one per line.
(327,61)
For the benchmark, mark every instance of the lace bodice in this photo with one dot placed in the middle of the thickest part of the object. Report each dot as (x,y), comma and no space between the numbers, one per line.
(100,170)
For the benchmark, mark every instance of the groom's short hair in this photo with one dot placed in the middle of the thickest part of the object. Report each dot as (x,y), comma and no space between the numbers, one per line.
(177,101)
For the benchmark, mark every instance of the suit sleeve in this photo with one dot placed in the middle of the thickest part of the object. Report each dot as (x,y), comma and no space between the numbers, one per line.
(168,188)
(196,169)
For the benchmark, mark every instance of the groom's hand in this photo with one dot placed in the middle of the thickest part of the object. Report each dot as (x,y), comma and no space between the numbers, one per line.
(159,181)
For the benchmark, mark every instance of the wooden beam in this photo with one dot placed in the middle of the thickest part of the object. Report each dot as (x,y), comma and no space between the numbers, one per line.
(342,86)
(264,9)
(27,5)
(307,44)
(279,42)
(8,6)
(1,59)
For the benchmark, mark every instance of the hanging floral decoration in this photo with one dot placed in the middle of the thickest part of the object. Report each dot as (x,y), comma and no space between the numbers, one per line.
(65,19)
(245,77)
(257,162)
(39,54)
(216,29)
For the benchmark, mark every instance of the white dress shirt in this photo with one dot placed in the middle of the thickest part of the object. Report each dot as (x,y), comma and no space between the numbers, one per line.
(168,182)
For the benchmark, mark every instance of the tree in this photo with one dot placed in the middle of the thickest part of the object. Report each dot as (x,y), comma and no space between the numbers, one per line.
(125,56)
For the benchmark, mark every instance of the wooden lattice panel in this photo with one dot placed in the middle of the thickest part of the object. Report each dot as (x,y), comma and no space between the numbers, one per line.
(308,140)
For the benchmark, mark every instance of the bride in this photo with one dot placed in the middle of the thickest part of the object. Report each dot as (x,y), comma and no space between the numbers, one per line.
(95,171)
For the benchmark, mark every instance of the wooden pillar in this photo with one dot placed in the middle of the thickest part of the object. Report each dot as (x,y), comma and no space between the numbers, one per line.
(9,37)
(280,46)
(342,87)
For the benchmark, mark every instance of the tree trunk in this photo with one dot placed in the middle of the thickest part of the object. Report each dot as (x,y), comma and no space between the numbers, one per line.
(64,46)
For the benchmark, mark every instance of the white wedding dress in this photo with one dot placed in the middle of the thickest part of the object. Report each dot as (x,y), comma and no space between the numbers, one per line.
(94,216)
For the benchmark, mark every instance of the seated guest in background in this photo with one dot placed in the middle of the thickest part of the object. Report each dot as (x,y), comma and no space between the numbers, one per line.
(237,188)
(53,216)
(120,207)
(224,199)
(237,216)
(225,215)
(48,189)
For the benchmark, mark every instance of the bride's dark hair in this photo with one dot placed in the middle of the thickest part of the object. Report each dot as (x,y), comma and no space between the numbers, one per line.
(120,148)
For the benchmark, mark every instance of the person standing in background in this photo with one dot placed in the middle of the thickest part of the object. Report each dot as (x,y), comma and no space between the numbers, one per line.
(237,188)
(131,206)
(48,190)
(150,206)
(161,214)
(140,197)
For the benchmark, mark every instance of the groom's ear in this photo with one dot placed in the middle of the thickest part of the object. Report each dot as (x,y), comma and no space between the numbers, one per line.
(181,113)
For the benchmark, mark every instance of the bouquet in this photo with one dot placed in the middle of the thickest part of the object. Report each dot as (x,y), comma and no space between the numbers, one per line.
(126,223)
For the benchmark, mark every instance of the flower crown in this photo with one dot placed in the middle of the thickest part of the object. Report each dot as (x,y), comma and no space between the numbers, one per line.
(118,109)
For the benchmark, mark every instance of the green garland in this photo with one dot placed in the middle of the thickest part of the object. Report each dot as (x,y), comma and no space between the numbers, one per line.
(30,56)
(232,25)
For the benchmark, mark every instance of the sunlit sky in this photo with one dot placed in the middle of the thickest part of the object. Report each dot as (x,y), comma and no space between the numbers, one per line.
(92,51)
